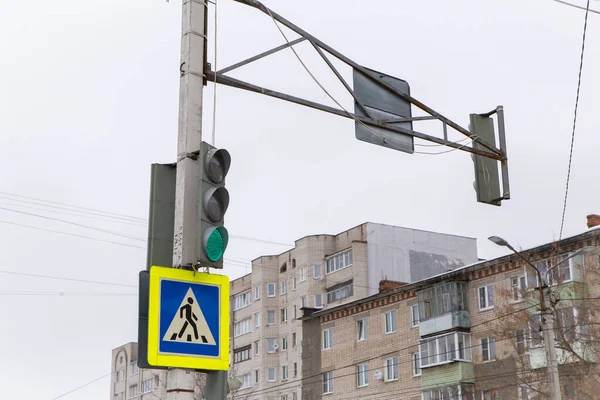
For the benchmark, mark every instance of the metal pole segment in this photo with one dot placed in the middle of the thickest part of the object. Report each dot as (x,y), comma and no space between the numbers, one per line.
(371,75)
(339,76)
(259,56)
(229,81)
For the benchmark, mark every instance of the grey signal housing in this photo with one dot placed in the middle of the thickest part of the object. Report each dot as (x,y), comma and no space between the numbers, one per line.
(487,178)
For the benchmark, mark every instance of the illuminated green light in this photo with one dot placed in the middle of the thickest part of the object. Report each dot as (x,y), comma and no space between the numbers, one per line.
(216,243)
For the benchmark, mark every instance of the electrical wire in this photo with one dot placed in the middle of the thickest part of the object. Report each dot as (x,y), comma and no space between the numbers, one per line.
(576,6)
(21,293)
(82,386)
(72,223)
(562,222)
(65,279)
(370,129)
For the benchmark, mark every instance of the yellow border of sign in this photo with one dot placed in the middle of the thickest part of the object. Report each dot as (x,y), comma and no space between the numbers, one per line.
(181,361)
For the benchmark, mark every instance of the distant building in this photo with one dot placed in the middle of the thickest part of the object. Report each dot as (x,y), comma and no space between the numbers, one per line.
(130,382)
(320,272)
(469,334)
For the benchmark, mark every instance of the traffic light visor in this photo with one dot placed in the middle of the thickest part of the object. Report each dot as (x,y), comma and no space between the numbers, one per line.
(217,164)
(215,243)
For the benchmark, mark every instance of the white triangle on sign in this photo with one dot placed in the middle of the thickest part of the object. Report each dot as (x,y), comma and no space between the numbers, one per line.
(189,324)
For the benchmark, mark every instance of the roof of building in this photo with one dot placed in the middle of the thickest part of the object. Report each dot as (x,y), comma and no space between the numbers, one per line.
(464,270)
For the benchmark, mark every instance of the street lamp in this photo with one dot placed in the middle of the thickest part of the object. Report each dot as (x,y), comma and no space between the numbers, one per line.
(547,322)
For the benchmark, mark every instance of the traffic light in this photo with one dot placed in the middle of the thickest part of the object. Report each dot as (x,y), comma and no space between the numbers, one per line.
(214,200)
(487,179)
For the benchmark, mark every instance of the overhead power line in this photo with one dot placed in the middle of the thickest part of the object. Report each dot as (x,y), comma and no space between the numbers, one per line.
(66,279)
(562,222)
(82,386)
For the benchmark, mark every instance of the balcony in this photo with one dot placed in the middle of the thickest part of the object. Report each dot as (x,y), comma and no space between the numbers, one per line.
(443,307)
(447,374)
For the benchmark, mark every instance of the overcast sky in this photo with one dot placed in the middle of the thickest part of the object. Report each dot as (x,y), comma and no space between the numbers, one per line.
(89,94)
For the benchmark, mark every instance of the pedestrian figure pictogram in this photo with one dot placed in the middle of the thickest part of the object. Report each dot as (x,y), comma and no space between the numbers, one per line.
(188,324)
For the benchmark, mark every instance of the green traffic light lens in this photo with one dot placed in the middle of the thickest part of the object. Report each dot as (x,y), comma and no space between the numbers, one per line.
(215,246)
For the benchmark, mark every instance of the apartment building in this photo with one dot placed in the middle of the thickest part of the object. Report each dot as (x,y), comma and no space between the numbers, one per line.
(130,382)
(472,333)
(320,272)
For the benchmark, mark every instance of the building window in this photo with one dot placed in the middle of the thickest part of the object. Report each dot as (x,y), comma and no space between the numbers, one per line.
(242,327)
(294,283)
(256,347)
(118,396)
(489,395)
(390,321)
(535,328)
(294,339)
(283,315)
(327,382)
(241,301)
(302,301)
(327,338)
(283,287)
(416,364)
(242,354)
(445,348)
(270,289)
(256,293)
(270,317)
(488,349)
(362,375)
(156,381)
(246,380)
(318,300)
(284,372)
(295,369)
(317,272)
(133,368)
(256,376)
(271,375)
(414,315)
(361,329)
(257,320)
(302,274)
(284,343)
(442,299)
(486,298)
(339,261)
(147,386)
(517,287)
(520,337)
(524,392)
(295,311)
(120,375)
(284,397)
(271,345)
(133,391)
(340,292)
(391,369)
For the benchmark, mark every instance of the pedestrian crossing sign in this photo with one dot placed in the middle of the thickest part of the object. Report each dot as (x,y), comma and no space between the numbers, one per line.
(188,321)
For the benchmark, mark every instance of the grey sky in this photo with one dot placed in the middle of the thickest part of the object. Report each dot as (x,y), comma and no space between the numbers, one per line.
(88,101)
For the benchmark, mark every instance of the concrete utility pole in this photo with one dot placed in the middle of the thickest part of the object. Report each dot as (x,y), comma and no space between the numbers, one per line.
(193,48)
(547,324)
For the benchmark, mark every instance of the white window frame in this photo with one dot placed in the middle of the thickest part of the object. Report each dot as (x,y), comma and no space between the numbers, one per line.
(269,347)
(327,379)
(362,375)
(518,286)
(245,326)
(284,343)
(392,363)
(429,349)
(242,300)
(283,287)
(303,274)
(246,380)
(393,322)
(257,347)
(414,319)
(257,320)
(294,283)
(269,313)
(327,338)
(284,315)
(146,386)
(488,291)
(416,364)
(318,300)
(303,301)
(256,293)
(257,376)
(488,349)
(338,261)
(317,271)
(362,329)
(269,374)
(284,372)
(134,367)
(271,289)
(341,292)
(133,391)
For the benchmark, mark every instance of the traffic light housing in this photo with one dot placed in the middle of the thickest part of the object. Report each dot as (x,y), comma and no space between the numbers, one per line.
(213,202)
(487,178)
